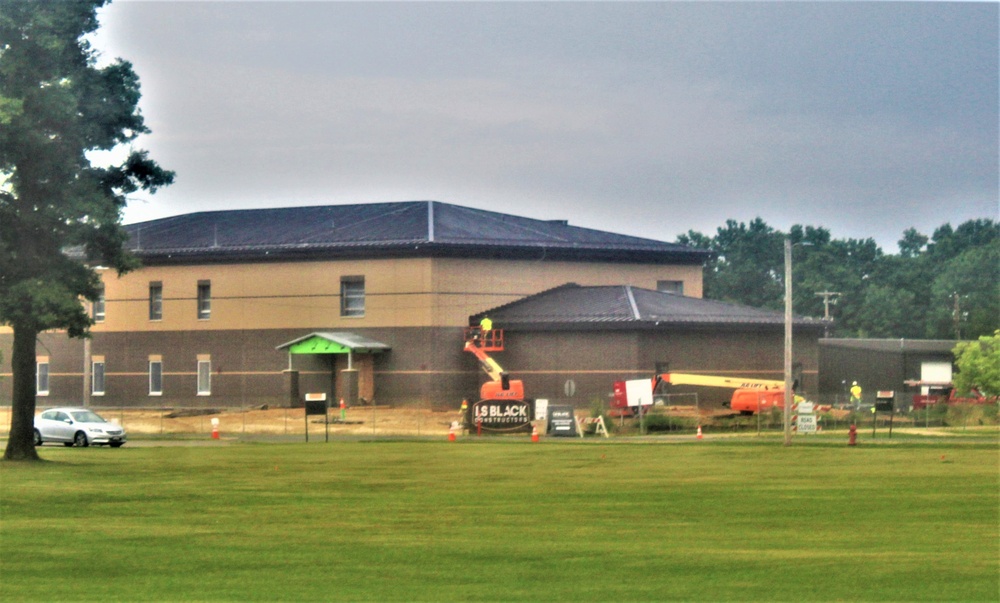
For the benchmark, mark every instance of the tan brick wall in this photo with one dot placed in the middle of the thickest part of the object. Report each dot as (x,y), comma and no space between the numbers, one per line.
(416,292)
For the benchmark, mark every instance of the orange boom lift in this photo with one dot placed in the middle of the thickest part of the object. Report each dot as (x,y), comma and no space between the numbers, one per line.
(750,395)
(500,387)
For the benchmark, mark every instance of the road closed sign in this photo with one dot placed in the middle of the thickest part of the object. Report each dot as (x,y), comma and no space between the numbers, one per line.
(806,423)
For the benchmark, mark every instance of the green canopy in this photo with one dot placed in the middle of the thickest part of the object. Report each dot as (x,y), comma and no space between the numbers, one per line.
(333,343)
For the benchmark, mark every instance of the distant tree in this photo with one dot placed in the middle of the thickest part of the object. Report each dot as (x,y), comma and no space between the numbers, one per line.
(947,242)
(978,365)
(748,267)
(912,294)
(885,312)
(912,243)
(56,105)
(962,289)
(965,294)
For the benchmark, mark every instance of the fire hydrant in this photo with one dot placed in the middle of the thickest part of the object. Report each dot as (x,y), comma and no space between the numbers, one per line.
(852,436)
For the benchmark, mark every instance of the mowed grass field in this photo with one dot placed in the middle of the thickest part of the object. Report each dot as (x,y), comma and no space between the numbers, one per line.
(505,520)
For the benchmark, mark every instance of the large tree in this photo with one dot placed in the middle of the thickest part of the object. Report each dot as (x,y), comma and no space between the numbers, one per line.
(59,213)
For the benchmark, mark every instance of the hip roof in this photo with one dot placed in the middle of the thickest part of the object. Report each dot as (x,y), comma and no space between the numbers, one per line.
(406,228)
(624,306)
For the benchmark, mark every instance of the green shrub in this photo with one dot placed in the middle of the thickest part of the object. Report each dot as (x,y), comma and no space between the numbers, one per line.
(657,422)
(597,411)
(963,415)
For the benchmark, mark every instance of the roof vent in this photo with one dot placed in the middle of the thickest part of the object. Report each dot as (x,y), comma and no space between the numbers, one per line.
(559,222)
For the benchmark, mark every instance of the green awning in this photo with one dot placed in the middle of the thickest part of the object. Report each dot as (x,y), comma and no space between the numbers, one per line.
(333,343)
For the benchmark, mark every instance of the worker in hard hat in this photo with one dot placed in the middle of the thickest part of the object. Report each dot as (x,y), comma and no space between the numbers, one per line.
(856,395)
(485,328)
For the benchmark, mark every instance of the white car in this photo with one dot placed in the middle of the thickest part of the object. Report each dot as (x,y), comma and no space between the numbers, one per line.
(77,427)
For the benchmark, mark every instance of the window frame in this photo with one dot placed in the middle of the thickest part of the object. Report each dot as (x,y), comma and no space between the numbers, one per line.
(159,373)
(204,300)
(42,376)
(204,387)
(96,381)
(99,306)
(670,286)
(155,300)
(349,296)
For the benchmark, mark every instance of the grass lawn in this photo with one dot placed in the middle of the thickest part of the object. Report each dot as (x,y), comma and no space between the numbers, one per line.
(719,520)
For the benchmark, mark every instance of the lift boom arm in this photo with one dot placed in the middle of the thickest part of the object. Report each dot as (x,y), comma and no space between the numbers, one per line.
(713,381)
(492,368)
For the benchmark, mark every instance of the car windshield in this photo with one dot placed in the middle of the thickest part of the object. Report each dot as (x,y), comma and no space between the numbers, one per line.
(87,416)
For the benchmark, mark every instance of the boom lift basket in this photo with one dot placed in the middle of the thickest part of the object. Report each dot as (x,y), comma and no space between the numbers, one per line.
(487,341)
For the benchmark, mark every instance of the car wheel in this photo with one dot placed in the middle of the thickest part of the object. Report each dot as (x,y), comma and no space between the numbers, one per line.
(80,439)
(38,438)
(117,444)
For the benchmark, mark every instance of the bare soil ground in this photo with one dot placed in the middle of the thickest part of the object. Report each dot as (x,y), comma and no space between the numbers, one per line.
(359,421)
(362,420)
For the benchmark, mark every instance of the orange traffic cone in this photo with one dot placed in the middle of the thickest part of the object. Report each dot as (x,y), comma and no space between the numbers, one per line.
(451,432)
(699,432)
(215,428)
(534,433)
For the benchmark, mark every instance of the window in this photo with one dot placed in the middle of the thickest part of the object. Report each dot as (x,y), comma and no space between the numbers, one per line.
(98,307)
(204,300)
(156,300)
(155,377)
(204,377)
(97,376)
(352,296)
(42,377)
(670,287)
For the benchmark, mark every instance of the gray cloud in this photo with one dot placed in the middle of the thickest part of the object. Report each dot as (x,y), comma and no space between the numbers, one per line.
(643,118)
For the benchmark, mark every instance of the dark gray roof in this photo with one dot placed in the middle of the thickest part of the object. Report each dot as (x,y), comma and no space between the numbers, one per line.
(624,306)
(406,228)
(943,346)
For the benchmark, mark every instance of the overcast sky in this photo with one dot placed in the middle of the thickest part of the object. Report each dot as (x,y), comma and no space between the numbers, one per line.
(648,119)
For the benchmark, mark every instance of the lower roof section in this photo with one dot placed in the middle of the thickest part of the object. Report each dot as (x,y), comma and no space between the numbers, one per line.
(572,306)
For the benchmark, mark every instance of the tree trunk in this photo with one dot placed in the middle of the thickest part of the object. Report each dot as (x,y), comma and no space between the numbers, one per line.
(20,444)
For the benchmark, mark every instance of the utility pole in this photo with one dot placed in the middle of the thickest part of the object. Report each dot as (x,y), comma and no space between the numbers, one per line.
(829,299)
(957,316)
(787,414)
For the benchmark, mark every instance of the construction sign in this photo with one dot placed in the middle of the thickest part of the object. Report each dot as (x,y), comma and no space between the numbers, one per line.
(501,415)
(639,392)
(805,419)
(562,421)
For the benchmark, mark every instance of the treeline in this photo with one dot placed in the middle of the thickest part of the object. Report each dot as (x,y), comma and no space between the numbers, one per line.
(943,286)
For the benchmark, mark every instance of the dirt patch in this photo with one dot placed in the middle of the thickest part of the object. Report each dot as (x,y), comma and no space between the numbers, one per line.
(277,421)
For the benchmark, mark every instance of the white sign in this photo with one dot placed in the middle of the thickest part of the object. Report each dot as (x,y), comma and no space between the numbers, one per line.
(541,410)
(805,408)
(639,392)
(806,424)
